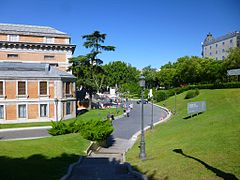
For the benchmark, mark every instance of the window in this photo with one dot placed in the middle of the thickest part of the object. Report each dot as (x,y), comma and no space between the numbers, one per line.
(223,57)
(43,110)
(47,57)
(216,52)
(1,112)
(223,43)
(67,88)
(210,53)
(1,88)
(210,47)
(49,40)
(22,111)
(216,45)
(12,55)
(223,50)
(21,88)
(231,41)
(216,58)
(68,108)
(13,38)
(43,88)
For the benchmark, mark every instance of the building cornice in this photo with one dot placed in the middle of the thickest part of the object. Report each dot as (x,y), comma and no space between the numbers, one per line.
(38,46)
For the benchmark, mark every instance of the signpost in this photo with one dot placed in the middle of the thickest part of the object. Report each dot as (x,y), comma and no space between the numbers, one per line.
(196,107)
(233,72)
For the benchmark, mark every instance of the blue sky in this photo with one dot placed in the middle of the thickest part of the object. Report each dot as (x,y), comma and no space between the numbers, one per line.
(145,32)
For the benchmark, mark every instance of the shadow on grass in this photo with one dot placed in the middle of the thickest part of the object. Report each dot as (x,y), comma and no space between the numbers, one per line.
(188,117)
(82,111)
(35,167)
(218,172)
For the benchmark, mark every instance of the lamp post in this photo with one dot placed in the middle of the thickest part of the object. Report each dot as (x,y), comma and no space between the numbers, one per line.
(142,154)
(56,104)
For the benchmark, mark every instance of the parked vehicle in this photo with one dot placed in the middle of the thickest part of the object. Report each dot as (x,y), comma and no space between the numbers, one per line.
(144,101)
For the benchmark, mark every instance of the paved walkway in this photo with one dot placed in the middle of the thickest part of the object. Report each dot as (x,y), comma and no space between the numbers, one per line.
(109,163)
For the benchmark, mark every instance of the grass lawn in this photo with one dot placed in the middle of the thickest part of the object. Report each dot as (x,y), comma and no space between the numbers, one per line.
(206,146)
(92,114)
(46,158)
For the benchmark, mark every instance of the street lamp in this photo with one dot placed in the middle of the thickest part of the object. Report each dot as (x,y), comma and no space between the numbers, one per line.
(142,154)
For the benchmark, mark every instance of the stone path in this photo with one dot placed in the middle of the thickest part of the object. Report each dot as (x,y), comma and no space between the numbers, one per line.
(109,163)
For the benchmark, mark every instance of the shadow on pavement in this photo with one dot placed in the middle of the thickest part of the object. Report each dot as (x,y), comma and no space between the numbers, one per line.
(218,172)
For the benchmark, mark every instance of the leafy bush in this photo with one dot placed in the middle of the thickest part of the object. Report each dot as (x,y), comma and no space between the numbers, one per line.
(160,95)
(191,94)
(58,128)
(96,130)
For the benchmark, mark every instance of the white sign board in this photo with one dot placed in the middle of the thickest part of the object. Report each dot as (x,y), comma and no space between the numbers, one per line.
(233,72)
(196,107)
(112,91)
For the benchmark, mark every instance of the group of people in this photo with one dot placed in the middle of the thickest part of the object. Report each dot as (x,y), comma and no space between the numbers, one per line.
(127,108)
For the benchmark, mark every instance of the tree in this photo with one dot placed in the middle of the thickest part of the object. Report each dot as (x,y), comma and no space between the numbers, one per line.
(86,68)
(150,76)
(120,73)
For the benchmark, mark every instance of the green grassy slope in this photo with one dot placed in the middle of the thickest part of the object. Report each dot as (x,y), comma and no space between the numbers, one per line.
(206,146)
(46,158)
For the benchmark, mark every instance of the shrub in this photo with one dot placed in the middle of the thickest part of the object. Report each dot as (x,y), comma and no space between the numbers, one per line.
(160,95)
(58,128)
(191,94)
(96,130)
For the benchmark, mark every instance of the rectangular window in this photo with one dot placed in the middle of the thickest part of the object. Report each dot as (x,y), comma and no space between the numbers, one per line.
(216,45)
(210,47)
(1,111)
(43,88)
(43,110)
(210,53)
(22,111)
(1,88)
(67,87)
(21,88)
(223,50)
(12,56)
(13,38)
(47,57)
(68,108)
(223,57)
(231,41)
(49,40)
(223,43)
(216,52)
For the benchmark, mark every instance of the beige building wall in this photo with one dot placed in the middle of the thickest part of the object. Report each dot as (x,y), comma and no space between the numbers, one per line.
(10,89)
(36,39)
(33,111)
(11,112)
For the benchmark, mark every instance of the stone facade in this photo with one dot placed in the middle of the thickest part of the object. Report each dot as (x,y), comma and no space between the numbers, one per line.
(218,48)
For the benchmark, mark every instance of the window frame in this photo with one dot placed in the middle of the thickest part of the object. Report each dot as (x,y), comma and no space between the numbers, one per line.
(26,88)
(46,40)
(26,111)
(47,110)
(70,107)
(49,57)
(9,37)
(12,56)
(69,88)
(39,86)
(2,96)
(4,112)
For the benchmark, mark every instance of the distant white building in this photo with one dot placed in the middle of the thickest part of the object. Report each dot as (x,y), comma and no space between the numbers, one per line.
(218,48)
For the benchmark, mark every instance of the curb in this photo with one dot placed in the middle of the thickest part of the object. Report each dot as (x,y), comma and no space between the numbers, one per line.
(135,173)
(135,136)
(29,138)
(25,128)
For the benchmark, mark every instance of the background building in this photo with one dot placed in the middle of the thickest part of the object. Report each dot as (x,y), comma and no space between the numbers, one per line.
(218,48)
(35,44)
(34,84)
